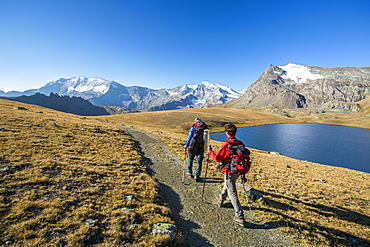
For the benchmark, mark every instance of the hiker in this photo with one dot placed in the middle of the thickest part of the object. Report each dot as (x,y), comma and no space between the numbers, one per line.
(223,155)
(195,145)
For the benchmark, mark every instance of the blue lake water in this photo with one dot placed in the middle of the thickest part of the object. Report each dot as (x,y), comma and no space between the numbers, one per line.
(320,143)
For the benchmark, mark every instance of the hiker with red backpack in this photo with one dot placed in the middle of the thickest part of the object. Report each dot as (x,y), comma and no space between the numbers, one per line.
(195,145)
(235,161)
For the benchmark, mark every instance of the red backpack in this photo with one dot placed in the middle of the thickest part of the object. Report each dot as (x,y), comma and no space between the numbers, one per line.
(240,161)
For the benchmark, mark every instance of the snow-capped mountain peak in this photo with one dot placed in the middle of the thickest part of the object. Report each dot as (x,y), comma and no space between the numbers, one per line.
(204,94)
(77,85)
(298,73)
(216,88)
(208,84)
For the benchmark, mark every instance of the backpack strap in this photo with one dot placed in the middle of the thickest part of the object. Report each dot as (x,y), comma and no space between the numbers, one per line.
(234,144)
(228,162)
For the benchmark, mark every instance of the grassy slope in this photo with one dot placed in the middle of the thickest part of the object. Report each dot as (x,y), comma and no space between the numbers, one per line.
(57,171)
(319,204)
(365,105)
(69,180)
(304,115)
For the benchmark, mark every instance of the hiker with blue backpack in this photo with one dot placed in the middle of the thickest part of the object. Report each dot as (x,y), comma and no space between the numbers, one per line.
(235,162)
(195,146)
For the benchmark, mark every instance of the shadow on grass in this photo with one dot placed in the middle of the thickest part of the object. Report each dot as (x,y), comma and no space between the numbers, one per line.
(332,235)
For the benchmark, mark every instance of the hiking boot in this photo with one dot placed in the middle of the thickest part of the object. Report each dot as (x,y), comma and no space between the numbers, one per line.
(239,221)
(196,178)
(220,202)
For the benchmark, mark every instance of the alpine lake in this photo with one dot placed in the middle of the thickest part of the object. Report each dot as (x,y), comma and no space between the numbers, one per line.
(332,145)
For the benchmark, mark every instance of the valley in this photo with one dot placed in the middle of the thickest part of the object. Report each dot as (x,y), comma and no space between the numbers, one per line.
(81,180)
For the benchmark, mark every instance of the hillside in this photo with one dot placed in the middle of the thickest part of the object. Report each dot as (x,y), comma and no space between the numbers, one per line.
(67,180)
(358,120)
(365,104)
(74,105)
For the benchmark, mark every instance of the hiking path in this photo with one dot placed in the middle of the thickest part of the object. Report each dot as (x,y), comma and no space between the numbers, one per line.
(201,221)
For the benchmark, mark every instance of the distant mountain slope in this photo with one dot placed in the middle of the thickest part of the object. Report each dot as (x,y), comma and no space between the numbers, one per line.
(67,104)
(102,92)
(300,86)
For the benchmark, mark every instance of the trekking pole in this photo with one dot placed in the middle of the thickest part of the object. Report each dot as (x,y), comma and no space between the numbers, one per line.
(206,144)
(246,196)
(205,176)
(184,166)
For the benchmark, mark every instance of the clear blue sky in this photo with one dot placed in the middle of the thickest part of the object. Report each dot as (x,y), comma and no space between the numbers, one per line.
(167,43)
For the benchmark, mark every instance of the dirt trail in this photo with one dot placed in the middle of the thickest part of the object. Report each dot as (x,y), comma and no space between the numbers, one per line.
(200,220)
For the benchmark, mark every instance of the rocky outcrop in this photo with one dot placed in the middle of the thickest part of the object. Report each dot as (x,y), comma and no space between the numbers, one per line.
(362,107)
(299,86)
(341,107)
(113,110)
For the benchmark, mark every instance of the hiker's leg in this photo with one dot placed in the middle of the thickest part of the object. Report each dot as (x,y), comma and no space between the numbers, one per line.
(190,163)
(199,164)
(231,189)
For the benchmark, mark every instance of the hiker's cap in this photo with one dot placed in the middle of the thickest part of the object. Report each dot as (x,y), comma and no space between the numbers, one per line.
(197,119)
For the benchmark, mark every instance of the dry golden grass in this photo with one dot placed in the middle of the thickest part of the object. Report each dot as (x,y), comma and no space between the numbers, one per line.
(70,180)
(304,115)
(365,105)
(319,205)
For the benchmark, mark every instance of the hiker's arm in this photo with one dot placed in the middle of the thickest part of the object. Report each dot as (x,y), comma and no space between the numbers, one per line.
(190,135)
(221,155)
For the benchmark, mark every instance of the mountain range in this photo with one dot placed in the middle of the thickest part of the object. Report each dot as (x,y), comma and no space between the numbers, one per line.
(289,86)
(102,92)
